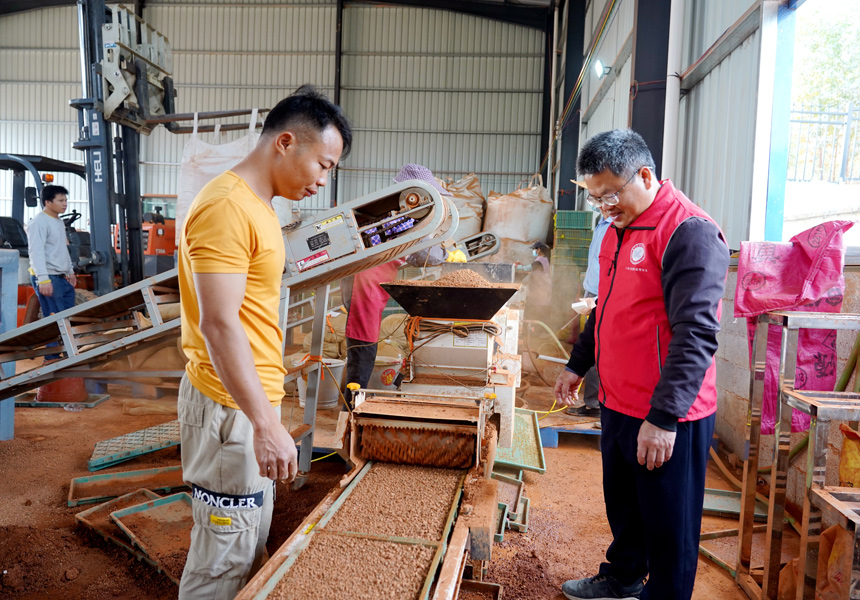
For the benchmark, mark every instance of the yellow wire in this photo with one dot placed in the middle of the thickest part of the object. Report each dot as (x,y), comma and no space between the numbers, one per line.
(322,457)
(546,413)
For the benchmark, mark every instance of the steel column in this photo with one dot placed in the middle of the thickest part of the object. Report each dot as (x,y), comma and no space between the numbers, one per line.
(133,209)
(751,464)
(779,125)
(314,380)
(650,56)
(570,129)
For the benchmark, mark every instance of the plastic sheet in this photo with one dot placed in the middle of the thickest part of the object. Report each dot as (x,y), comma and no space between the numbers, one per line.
(803,275)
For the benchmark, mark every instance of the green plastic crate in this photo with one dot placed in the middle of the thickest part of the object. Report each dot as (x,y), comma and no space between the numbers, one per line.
(578,235)
(567,243)
(574,219)
(581,263)
(568,253)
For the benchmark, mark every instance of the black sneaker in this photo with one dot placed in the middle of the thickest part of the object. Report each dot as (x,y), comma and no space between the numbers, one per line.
(601,587)
(582,411)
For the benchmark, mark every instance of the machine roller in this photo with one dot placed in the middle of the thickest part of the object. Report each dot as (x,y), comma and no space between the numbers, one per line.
(419,429)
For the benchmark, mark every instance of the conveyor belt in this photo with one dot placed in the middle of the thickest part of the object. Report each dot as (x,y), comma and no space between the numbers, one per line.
(130,319)
(334,528)
(113,325)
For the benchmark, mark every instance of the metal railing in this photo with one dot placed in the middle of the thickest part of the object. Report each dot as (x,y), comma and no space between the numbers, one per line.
(824,145)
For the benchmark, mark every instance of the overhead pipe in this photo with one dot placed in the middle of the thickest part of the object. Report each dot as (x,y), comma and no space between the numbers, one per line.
(673,88)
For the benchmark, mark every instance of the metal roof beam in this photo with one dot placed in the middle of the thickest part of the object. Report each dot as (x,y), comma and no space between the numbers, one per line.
(527,16)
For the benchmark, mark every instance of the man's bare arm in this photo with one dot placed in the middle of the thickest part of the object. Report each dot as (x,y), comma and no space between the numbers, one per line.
(220,297)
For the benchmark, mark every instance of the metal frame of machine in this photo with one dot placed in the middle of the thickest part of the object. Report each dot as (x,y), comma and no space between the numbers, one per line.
(113,325)
(480,245)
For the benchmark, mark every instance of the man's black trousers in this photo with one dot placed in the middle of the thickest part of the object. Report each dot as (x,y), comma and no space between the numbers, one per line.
(655,516)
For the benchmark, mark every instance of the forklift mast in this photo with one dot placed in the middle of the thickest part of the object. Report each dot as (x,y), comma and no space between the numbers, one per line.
(125,68)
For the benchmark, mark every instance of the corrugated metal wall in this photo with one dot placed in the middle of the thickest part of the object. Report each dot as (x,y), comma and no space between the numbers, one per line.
(452,92)
(716,129)
(706,21)
(229,56)
(716,133)
(39,73)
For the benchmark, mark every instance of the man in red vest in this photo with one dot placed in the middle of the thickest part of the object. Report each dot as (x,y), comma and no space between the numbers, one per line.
(652,338)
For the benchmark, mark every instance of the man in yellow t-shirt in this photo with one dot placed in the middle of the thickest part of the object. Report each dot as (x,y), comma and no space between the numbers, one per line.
(231,259)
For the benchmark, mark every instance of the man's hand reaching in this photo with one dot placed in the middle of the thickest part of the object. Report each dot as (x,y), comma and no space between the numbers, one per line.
(566,387)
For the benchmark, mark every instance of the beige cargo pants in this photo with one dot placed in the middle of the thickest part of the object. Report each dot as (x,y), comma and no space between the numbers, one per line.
(232,504)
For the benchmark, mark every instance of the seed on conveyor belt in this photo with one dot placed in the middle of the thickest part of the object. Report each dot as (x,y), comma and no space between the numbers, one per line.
(399,500)
(335,567)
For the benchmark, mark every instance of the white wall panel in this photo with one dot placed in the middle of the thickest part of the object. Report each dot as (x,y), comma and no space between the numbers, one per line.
(244,28)
(452,92)
(231,56)
(621,93)
(482,111)
(207,3)
(705,21)
(48,66)
(24,102)
(40,71)
(251,70)
(716,151)
(445,112)
(390,30)
(610,47)
(41,29)
(445,73)
(616,34)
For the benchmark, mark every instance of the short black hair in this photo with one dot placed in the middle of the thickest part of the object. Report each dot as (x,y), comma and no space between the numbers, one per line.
(308,107)
(49,192)
(622,151)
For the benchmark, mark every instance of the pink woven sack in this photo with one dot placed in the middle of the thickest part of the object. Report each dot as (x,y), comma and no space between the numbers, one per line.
(803,275)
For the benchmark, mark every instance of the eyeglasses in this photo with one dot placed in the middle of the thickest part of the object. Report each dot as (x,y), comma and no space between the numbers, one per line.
(610,199)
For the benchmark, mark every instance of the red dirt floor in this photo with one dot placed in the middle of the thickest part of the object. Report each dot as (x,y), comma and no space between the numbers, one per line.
(44,554)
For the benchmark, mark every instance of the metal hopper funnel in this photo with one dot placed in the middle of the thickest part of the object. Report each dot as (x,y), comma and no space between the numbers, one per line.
(445,302)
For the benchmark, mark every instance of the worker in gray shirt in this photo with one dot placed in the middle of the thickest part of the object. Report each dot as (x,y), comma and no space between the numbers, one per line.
(51,271)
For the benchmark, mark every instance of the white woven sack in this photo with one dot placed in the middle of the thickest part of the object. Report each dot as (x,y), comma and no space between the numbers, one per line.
(523,215)
(202,162)
(467,196)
